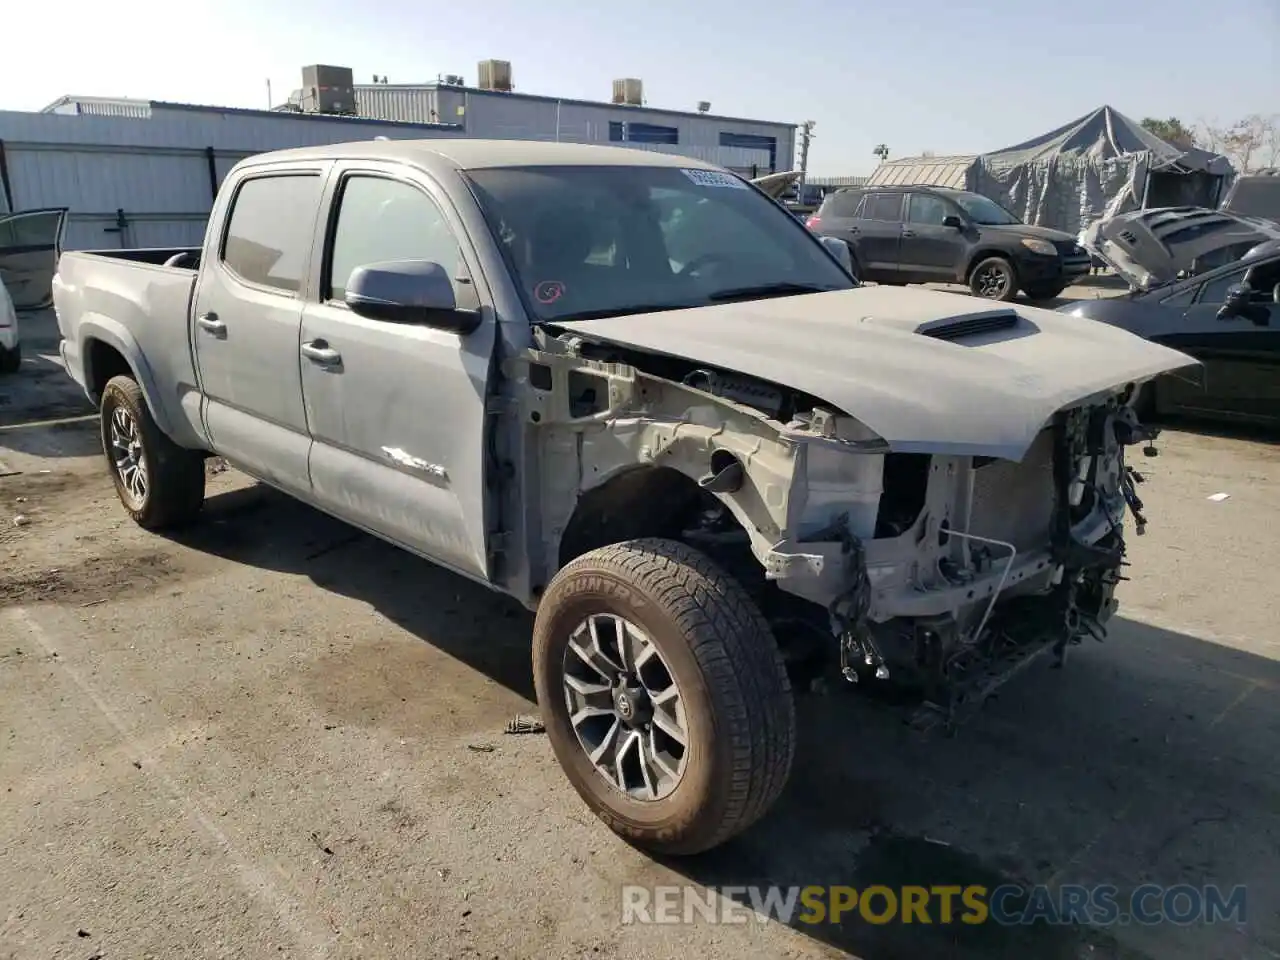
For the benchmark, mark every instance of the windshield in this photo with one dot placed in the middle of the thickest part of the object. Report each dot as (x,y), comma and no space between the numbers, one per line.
(984,211)
(597,241)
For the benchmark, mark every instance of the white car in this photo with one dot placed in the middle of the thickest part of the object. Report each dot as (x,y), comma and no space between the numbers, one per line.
(30,244)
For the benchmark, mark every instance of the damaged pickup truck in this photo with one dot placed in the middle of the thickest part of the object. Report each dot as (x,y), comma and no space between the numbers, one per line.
(633,392)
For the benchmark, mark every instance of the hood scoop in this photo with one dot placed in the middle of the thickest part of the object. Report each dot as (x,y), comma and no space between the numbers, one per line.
(969,325)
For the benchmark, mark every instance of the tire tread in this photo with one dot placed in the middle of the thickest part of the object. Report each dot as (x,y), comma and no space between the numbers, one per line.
(746,676)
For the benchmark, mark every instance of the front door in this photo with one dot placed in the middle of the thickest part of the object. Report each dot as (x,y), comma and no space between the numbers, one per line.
(397,411)
(30,244)
(930,252)
(1241,376)
(248,311)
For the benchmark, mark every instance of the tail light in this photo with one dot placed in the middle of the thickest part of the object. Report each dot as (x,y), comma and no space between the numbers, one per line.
(814,222)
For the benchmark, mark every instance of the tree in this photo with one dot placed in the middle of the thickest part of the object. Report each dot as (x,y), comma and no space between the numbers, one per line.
(1250,143)
(881,151)
(1172,131)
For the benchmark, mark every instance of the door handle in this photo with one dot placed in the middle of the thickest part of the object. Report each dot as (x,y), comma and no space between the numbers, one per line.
(211,323)
(908,233)
(318,351)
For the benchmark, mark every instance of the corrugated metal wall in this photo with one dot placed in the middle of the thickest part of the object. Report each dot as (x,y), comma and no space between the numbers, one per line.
(504,116)
(156,170)
(513,117)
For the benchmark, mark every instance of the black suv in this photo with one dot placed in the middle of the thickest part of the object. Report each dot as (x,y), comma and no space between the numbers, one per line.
(937,235)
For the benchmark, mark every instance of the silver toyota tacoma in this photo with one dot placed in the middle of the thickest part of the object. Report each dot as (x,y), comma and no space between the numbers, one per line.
(632,391)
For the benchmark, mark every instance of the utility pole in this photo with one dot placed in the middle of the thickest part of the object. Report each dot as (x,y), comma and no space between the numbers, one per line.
(806,134)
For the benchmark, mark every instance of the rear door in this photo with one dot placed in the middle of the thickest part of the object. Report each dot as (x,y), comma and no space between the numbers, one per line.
(930,252)
(30,244)
(1241,358)
(879,231)
(397,412)
(248,313)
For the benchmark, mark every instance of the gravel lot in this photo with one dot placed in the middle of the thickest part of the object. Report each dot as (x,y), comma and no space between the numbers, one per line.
(275,737)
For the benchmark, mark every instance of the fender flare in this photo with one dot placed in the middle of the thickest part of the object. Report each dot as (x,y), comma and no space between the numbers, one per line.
(115,335)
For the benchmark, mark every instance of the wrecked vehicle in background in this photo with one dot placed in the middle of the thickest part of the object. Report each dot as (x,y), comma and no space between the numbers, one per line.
(1228,318)
(631,391)
(1153,247)
(1255,194)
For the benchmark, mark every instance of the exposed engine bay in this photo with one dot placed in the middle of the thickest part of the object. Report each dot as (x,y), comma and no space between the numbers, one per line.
(946,574)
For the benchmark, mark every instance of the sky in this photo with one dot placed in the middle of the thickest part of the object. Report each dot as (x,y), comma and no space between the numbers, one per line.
(915,75)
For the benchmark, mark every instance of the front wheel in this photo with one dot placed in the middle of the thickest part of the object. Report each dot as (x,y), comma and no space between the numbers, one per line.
(10,360)
(159,483)
(664,695)
(993,279)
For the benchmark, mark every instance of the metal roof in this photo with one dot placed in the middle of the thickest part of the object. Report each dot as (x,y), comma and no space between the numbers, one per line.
(952,171)
(133,109)
(100,107)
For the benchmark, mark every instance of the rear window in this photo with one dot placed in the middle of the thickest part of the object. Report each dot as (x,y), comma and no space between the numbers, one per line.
(271,230)
(844,204)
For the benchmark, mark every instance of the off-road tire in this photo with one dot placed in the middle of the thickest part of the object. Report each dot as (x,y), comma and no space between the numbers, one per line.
(175,475)
(737,698)
(11,360)
(1045,293)
(1010,289)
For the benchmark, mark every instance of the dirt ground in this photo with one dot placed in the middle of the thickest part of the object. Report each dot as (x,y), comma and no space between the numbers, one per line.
(276,737)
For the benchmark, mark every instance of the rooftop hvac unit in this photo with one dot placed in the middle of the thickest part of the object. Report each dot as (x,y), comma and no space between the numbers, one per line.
(629,91)
(704,106)
(451,80)
(495,75)
(328,90)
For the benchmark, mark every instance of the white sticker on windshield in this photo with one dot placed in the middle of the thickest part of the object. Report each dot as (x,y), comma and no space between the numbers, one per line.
(714,178)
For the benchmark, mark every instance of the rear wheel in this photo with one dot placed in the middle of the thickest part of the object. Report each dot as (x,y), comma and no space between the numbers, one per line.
(664,694)
(993,279)
(159,483)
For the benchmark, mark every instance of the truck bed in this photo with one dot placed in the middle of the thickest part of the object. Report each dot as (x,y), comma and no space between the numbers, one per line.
(126,307)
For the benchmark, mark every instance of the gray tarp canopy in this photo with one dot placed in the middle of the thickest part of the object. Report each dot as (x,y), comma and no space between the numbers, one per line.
(1099,165)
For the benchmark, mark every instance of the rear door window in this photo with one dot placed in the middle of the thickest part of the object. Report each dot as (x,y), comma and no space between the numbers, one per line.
(842,205)
(271,229)
(883,206)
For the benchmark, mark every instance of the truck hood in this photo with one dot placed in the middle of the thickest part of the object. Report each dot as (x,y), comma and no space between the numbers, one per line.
(928,371)
(776,184)
(1151,247)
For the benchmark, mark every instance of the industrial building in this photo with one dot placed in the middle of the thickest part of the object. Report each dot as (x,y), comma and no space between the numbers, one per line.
(494,109)
(138,173)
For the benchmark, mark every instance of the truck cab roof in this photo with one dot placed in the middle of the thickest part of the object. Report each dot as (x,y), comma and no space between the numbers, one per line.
(462,153)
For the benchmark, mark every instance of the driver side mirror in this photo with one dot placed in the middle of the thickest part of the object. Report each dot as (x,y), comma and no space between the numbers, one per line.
(408,291)
(1239,303)
(952,221)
